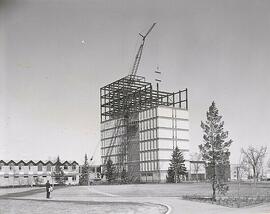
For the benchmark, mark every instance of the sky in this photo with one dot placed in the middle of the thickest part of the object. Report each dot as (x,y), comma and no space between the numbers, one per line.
(56,55)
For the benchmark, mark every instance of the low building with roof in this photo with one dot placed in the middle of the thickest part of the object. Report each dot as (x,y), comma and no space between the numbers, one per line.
(30,173)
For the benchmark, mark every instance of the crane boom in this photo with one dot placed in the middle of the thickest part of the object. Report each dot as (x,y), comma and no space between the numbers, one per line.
(150,29)
(139,53)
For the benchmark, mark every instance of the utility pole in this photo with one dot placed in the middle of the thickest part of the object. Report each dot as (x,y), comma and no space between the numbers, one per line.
(158,80)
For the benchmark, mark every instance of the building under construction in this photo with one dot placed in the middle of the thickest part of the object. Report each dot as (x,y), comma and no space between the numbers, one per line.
(140,125)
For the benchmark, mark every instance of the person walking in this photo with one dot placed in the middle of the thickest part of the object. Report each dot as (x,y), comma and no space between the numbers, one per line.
(48,189)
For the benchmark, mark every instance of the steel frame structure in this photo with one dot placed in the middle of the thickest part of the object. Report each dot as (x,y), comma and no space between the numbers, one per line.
(123,100)
(133,94)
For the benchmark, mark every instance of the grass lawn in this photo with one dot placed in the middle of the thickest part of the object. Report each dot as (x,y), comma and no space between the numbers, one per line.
(180,189)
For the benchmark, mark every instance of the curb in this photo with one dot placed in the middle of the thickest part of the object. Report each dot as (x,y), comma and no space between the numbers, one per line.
(169,209)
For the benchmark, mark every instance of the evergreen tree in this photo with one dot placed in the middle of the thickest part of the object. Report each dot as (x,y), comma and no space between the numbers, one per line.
(58,173)
(84,177)
(110,171)
(177,167)
(215,149)
(124,176)
(170,176)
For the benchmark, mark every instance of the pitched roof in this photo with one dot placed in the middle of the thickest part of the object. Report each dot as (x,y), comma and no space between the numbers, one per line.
(36,162)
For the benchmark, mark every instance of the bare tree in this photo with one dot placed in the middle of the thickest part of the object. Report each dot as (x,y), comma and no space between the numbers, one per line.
(196,159)
(254,158)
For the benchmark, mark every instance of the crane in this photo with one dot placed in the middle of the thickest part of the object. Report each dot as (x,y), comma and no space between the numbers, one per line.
(125,113)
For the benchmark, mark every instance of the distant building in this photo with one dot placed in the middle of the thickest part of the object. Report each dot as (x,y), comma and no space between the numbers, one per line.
(267,173)
(238,173)
(22,173)
(235,169)
(197,171)
(244,174)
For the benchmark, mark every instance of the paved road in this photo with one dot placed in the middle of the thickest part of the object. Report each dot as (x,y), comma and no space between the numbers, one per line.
(176,204)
